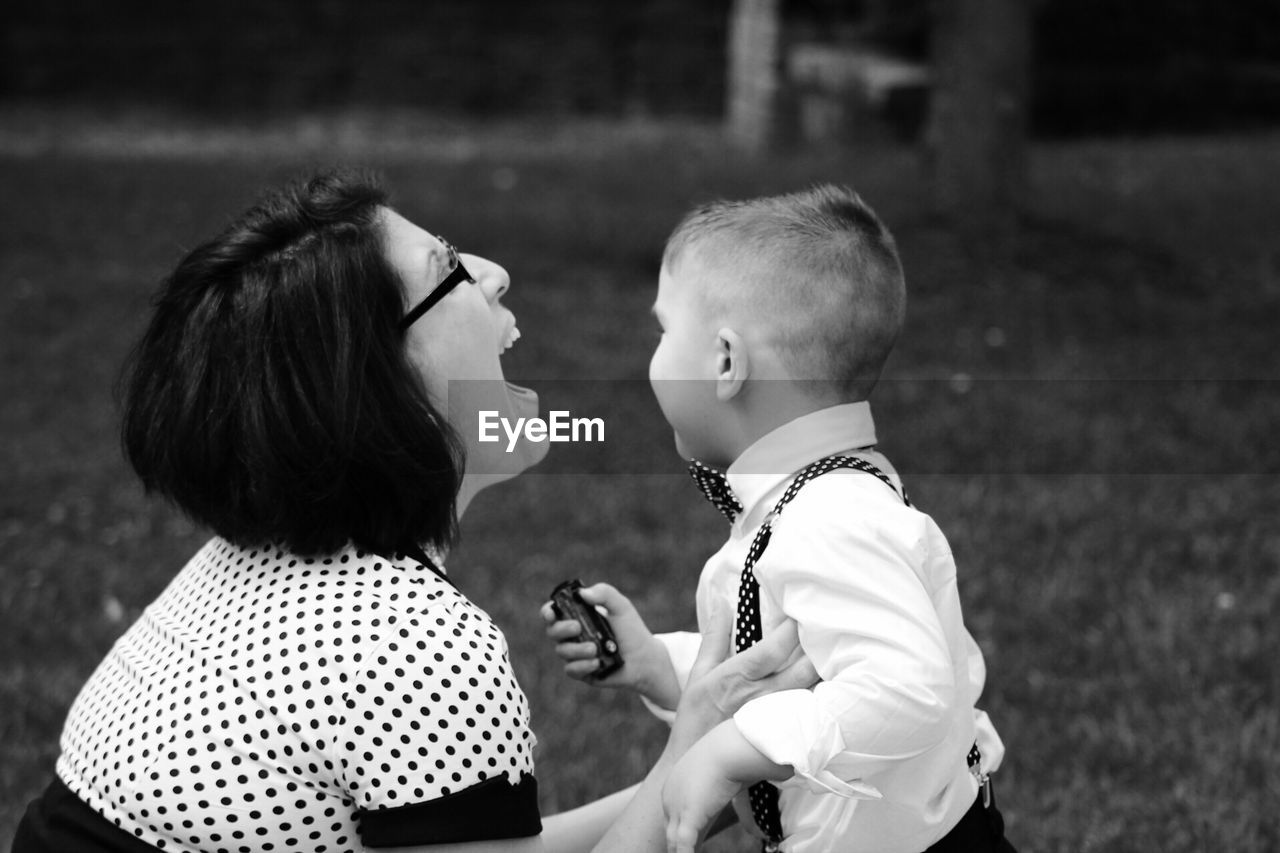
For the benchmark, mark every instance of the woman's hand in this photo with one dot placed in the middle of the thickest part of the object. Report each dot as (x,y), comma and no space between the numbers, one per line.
(720,684)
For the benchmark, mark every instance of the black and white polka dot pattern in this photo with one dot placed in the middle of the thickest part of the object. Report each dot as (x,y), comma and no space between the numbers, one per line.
(264,701)
(716,489)
(747,628)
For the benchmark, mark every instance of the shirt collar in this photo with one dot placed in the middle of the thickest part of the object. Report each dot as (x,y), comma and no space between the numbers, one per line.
(777,455)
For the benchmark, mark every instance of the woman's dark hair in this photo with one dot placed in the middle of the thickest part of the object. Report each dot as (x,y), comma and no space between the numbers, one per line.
(271,397)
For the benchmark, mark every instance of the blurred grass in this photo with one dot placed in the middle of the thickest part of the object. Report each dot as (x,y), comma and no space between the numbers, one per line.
(1117,540)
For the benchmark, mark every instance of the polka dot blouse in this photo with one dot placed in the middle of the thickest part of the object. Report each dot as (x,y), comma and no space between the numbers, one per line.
(269,702)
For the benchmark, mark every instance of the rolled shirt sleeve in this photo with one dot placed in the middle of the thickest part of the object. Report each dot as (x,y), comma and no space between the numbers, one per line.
(868,624)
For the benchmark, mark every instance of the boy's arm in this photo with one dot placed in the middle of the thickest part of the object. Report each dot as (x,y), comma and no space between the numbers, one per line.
(682,649)
(646,668)
(853,583)
(717,686)
(707,777)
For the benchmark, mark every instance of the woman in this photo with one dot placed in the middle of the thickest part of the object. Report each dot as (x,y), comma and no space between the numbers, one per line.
(312,679)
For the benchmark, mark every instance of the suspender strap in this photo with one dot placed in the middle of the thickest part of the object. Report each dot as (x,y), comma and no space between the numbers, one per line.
(748,629)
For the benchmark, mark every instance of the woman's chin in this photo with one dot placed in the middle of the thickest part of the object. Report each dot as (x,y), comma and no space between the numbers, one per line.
(524,401)
(493,462)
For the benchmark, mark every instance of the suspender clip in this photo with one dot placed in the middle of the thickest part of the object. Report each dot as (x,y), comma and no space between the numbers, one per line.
(974,760)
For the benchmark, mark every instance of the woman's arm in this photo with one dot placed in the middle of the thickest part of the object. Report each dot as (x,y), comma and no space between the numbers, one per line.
(573,831)
(532,844)
(632,820)
(579,830)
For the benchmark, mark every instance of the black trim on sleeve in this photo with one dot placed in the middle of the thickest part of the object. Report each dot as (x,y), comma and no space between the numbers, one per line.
(486,811)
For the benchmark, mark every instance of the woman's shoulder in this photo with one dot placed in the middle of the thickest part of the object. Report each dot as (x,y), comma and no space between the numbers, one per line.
(262,608)
(267,573)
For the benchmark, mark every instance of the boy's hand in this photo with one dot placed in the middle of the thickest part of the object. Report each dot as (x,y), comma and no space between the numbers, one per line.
(646,667)
(706,778)
(693,797)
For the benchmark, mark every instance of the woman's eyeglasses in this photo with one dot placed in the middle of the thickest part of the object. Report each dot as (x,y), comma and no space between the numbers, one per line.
(456,275)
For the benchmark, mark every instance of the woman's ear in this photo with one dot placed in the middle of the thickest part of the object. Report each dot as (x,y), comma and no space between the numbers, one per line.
(733,364)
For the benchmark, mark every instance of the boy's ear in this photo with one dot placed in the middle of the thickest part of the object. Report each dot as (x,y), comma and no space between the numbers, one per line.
(733,364)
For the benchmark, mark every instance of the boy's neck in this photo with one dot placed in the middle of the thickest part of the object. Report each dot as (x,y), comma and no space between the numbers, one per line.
(770,405)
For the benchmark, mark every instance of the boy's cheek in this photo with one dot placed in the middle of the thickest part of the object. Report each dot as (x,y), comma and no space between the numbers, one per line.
(672,410)
(689,407)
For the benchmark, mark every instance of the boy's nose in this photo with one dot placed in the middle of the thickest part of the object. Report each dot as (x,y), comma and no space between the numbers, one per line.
(492,278)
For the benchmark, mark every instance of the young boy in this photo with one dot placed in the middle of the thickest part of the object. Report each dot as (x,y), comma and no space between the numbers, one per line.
(777,316)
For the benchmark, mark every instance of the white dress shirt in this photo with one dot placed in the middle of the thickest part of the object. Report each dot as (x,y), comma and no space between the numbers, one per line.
(879,746)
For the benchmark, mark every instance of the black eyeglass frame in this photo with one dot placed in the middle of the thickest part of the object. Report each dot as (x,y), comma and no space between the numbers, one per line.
(457,274)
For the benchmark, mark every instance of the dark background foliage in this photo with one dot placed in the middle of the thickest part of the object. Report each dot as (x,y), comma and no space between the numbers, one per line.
(1101,66)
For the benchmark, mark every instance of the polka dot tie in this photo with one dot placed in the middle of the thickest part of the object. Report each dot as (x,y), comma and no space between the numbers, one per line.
(716,489)
(748,629)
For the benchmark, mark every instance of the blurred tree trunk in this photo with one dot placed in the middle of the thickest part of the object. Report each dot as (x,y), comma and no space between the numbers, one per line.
(977,135)
(755,73)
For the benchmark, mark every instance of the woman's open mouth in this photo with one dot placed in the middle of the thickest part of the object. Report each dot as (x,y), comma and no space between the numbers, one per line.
(508,338)
(526,398)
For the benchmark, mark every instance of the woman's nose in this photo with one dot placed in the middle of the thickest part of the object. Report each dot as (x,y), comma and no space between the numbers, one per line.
(492,278)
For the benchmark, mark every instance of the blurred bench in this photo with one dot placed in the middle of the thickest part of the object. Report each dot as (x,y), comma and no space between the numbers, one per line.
(847,91)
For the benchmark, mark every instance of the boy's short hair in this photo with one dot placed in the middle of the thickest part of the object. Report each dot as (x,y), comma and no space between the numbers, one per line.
(271,397)
(819,264)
